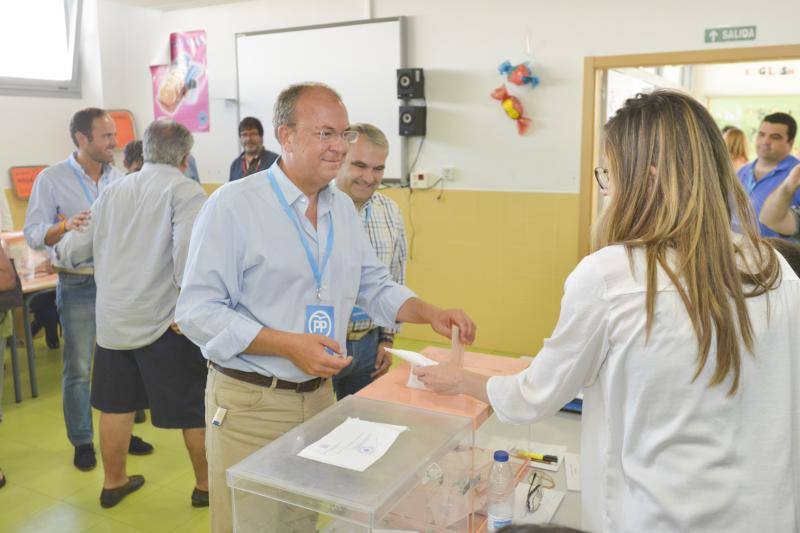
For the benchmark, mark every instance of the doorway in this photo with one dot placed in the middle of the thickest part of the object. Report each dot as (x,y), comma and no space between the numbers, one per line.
(609,80)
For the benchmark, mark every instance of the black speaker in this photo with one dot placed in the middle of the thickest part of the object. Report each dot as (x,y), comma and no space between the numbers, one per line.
(412,120)
(410,83)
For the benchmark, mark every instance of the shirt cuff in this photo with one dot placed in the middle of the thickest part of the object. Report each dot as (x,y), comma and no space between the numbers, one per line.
(497,387)
(233,340)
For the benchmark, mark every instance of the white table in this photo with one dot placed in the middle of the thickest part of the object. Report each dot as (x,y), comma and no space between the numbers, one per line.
(563,429)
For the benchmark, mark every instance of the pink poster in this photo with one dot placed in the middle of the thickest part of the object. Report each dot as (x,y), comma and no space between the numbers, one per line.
(180,89)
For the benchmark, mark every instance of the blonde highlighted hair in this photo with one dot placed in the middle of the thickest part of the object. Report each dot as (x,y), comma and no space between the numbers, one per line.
(736,143)
(675,193)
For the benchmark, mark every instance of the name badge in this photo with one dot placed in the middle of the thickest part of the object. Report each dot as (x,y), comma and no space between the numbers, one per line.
(359,315)
(319,320)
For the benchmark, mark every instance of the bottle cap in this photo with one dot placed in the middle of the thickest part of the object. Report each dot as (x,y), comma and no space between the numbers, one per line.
(501,456)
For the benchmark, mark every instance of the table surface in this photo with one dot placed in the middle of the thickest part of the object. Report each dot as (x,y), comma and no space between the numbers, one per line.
(563,429)
(39,283)
(33,266)
(392,387)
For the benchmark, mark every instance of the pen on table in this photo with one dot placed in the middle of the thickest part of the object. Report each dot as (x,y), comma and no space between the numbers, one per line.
(538,457)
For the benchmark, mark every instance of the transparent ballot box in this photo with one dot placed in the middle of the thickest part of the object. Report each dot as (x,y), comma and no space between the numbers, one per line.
(424,482)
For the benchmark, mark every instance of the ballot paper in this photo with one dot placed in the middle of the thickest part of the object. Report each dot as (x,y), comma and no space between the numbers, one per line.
(416,360)
(551,499)
(354,444)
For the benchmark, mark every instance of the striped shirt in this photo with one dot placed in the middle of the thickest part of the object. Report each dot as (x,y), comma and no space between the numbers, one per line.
(384,225)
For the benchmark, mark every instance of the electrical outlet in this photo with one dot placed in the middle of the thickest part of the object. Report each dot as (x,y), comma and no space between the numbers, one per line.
(420,180)
(449,173)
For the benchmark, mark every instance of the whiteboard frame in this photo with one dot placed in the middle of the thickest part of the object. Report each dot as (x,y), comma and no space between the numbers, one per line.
(403,179)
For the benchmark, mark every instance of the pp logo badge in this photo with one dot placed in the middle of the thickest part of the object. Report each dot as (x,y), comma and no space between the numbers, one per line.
(319,320)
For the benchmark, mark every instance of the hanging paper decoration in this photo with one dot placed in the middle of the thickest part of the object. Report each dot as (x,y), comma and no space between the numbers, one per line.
(519,76)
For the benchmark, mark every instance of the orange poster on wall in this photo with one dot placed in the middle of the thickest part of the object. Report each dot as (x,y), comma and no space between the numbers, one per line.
(123,120)
(22,178)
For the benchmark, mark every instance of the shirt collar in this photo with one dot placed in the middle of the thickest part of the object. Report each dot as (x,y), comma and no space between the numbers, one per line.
(293,194)
(786,162)
(73,162)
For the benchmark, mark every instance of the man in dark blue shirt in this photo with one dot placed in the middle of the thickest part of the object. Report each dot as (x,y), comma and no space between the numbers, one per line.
(255,157)
(774,143)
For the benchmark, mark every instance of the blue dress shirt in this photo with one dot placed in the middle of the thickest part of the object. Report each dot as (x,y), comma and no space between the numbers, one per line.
(63,189)
(247,269)
(761,189)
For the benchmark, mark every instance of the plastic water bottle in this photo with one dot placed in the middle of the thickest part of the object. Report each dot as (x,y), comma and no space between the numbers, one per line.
(501,492)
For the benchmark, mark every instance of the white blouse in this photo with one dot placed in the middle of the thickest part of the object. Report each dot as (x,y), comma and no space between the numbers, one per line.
(661,453)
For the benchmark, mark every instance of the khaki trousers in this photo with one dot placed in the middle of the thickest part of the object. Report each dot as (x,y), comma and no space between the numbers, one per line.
(255,417)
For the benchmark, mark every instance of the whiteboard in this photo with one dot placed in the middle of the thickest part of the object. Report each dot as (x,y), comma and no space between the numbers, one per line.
(358,59)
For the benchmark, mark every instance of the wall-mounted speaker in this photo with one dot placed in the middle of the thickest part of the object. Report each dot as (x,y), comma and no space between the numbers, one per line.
(412,120)
(410,83)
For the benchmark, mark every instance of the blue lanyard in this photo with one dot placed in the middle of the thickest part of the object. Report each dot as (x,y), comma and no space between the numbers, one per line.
(315,268)
(86,192)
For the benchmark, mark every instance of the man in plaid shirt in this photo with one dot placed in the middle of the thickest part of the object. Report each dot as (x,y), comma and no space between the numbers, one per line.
(359,178)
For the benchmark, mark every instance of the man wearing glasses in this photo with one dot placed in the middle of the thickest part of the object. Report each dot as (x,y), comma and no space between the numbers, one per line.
(254,157)
(269,303)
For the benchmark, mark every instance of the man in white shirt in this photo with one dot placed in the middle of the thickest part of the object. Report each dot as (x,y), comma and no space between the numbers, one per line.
(139,237)
(360,177)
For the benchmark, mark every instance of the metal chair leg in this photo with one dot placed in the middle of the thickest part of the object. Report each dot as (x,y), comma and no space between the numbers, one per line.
(15,367)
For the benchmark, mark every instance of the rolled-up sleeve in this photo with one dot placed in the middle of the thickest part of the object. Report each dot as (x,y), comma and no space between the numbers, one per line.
(212,286)
(76,247)
(378,294)
(570,359)
(41,213)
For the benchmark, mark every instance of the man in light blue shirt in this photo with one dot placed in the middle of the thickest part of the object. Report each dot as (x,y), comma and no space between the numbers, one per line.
(774,142)
(277,261)
(60,202)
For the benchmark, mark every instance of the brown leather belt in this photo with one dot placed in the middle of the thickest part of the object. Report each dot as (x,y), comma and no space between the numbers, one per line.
(264,381)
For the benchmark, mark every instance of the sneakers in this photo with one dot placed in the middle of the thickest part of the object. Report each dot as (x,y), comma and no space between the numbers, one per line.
(84,457)
(199,498)
(111,497)
(139,447)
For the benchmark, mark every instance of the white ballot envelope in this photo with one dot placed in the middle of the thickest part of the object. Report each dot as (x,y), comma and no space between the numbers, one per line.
(416,360)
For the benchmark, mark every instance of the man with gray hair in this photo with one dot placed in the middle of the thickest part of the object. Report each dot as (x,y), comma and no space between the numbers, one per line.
(359,178)
(268,303)
(138,236)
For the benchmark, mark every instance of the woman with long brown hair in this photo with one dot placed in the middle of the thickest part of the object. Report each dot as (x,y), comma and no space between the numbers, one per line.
(683,335)
(737,147)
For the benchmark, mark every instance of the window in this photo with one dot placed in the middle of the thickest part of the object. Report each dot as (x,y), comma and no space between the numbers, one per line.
(39,42)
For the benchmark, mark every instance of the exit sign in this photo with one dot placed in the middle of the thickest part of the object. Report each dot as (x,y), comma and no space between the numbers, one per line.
(738,33)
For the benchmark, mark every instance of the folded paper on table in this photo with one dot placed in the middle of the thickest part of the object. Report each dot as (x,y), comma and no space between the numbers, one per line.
(354,444)
(416,360)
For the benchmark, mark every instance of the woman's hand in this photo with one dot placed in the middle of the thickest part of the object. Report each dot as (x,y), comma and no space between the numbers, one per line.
(446,378)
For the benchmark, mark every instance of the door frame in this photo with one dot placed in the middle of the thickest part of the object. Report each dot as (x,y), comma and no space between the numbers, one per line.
(593,69)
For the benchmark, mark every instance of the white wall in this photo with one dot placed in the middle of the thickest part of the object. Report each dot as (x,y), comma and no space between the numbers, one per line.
(36,130)
(746,79)
(459,44)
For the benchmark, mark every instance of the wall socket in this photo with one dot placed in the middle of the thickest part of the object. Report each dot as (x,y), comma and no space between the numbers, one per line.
(449,173)
(422,180)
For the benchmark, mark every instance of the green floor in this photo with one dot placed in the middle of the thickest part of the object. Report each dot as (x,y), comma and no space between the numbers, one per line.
(46,493)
